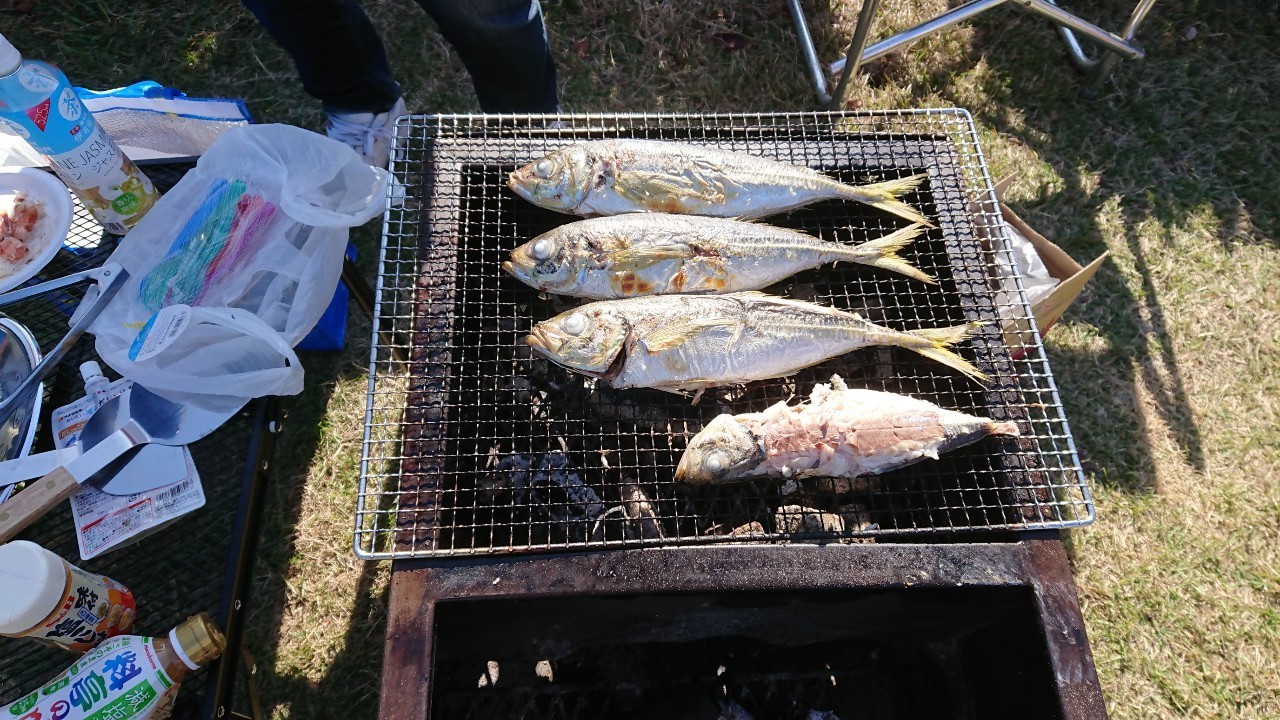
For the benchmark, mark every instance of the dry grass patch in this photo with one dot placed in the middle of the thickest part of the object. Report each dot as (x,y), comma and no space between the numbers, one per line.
(1169,363)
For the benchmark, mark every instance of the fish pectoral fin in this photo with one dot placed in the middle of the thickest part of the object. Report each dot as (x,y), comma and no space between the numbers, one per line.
(678,332)
(634,257)
(639,186)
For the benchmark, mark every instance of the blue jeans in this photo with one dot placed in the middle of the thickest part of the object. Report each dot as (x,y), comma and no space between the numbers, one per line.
(342,62)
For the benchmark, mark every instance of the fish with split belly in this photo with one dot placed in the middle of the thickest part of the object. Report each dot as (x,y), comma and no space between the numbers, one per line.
(693,342)
(611,177)
(839,432)
(655,254)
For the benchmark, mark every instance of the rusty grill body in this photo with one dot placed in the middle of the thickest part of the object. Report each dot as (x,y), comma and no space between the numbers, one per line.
(477,445)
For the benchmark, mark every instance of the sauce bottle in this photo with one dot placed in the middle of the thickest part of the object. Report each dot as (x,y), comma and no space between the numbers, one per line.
(47,598)
(125,678)
(38,103)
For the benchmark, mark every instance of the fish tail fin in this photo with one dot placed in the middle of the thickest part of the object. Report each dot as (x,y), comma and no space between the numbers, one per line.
(883,195)
(933,343)
(883,253)
(1005,428)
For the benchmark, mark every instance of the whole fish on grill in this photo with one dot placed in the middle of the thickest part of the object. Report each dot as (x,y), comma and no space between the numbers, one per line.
(840,432)
(611,177)
(693,342)
(654,254)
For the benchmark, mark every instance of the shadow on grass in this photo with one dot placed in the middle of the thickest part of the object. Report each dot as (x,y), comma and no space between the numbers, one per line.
(1177,142)
(349,685)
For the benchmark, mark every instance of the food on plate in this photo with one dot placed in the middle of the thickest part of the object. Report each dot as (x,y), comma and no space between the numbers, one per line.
(694,342)
(611,177)
(646,254)
(839,432)
(18,220)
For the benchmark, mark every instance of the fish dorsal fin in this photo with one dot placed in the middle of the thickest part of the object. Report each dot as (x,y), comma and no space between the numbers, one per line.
(678,331)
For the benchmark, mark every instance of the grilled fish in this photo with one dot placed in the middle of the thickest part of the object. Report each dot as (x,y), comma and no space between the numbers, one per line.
(694,342)
(641,254)
(611,177)
(839,433)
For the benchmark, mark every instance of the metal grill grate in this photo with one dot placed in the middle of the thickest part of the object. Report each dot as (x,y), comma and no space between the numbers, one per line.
(475,445)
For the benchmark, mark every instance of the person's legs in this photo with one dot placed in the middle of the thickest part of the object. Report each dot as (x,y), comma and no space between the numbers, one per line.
(337,51)
(503,43)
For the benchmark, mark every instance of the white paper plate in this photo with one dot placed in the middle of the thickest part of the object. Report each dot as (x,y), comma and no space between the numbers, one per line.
(50,232)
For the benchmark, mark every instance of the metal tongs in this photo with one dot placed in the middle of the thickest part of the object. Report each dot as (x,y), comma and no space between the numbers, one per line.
(109,278)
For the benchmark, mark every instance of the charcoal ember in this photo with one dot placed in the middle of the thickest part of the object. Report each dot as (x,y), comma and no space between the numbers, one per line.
(857,517)
(634,516)
(751,528)
(797,519)
(641,511)
(730,710)
(505,473)
(550,486)
(829,485)
(617,407)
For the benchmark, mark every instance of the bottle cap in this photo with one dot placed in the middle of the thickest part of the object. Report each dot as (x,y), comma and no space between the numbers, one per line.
(90,369)
(32,583)
(198,640)
(10,58)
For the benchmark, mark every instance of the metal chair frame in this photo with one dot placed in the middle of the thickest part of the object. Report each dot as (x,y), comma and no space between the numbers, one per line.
(1113,46)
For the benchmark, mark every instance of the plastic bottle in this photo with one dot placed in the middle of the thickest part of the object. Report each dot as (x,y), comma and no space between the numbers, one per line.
(125,678)
(68,420)
(47,598)
(38,103)
(96,385)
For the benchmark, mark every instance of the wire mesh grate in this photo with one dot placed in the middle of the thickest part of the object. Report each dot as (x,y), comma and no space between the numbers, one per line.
(477,445)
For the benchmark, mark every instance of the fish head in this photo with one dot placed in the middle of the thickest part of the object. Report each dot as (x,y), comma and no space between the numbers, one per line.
(548,262)
(590,339)
(558,181)
(724,450)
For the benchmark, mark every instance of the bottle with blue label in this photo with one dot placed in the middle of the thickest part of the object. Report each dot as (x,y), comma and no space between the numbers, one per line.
(38,104)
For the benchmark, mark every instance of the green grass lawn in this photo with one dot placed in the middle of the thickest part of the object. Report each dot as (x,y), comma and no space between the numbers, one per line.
(1169,363)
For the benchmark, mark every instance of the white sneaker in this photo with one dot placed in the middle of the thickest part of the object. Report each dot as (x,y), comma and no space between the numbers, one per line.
(369,134)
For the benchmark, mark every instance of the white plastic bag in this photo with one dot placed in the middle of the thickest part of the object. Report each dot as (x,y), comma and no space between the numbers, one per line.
(235,264)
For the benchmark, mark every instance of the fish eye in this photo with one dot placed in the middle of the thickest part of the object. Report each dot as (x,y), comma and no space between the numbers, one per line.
(575,324)
(542,249)
(543,168)
(716,462)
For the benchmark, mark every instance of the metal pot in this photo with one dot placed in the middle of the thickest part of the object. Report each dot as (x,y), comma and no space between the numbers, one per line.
(19,355)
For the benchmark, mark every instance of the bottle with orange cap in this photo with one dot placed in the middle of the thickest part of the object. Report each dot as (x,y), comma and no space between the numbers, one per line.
(125,678)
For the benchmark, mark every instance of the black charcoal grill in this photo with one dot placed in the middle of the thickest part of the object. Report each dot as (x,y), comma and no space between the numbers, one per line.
(546,564)
(478,445)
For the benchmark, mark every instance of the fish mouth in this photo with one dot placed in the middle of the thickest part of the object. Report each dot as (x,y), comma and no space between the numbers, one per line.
(543,341)
(509,268)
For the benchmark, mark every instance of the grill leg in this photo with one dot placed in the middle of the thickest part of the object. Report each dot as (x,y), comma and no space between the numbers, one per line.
(362,293)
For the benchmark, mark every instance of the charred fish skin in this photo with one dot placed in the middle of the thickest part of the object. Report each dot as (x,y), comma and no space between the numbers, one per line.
(693,342)
(655,254)
(839,432)
(612,177)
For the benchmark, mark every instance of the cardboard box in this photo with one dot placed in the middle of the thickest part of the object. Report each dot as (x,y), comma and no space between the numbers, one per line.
(1071,275)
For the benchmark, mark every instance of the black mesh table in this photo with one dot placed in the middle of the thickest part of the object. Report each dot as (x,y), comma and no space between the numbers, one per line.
(202,562)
